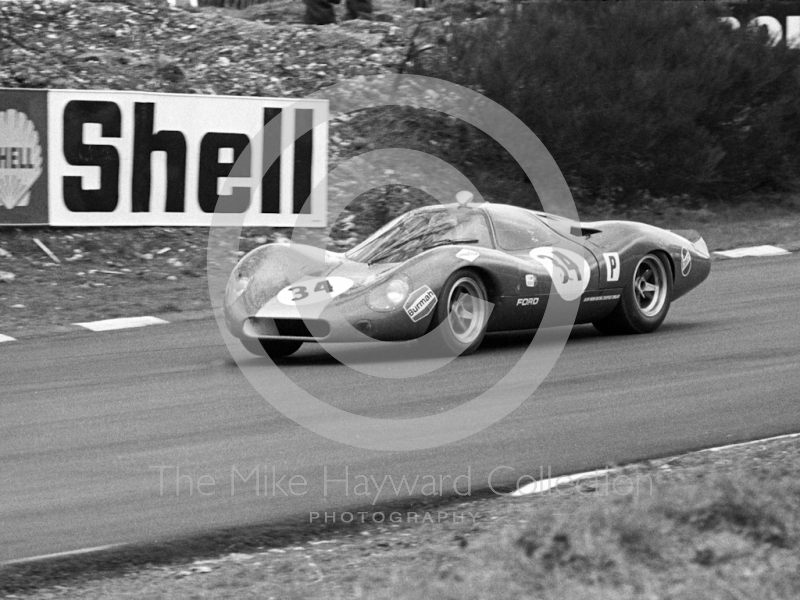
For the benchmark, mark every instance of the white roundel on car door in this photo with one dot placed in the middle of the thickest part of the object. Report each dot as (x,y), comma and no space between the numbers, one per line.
(314,291)
(569,271)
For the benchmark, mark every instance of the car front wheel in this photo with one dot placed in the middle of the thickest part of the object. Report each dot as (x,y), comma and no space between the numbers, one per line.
(645,300)
(459,323)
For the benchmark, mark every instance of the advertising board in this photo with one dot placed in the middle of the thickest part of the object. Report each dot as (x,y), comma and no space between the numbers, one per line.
(118,158)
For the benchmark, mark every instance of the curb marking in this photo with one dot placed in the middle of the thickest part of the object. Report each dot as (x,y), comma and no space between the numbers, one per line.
(539,487)
(18,561)
(121,323)
(753,251)
(769,439)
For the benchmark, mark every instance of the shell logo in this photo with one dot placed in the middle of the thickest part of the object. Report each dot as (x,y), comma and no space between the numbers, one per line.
(20,158)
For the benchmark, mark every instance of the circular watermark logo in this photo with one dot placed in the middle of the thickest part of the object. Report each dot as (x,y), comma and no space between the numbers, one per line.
(304,257)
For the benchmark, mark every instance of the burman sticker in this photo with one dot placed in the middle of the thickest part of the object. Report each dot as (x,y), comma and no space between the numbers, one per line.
(420,303)
(468,255)
(530,280)
(612,265)
(686,261)
(314,291)
(568,270)
(20,158)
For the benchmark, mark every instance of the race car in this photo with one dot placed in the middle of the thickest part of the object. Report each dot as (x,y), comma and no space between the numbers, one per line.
(461,270)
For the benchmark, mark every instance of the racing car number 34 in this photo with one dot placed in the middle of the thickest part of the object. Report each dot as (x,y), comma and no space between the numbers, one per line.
(314,291)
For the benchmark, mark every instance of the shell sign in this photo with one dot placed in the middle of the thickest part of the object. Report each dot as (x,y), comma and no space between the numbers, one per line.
(122,158)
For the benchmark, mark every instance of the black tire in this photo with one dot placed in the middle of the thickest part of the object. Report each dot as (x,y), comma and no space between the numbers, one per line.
(273,348)
(462,320)
(645,299)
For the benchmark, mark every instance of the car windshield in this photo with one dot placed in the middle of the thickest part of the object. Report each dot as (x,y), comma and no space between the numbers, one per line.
(416,231)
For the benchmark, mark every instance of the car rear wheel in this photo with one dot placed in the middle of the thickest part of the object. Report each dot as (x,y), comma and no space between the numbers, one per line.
(273,348)
(459,323)
(645,300)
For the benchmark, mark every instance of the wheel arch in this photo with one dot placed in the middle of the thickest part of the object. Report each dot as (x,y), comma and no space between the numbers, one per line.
(486,276)
(665,257)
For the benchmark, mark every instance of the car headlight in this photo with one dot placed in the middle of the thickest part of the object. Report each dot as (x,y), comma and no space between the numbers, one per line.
(236,287)
(389,295)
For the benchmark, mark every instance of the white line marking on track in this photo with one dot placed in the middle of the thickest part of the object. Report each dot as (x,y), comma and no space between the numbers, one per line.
(7,338)
(753,251)
(770,439)
(61,554)
(539,487)
(122,323)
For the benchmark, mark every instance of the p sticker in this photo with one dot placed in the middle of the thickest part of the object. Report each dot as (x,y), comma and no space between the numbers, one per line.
(612,265)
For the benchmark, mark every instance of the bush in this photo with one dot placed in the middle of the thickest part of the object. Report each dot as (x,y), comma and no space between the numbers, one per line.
(640,96)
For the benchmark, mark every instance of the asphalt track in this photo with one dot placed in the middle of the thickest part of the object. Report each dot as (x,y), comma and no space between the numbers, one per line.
(84,418)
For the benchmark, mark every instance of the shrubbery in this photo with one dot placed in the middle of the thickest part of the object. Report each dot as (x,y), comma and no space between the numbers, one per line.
(640,96)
